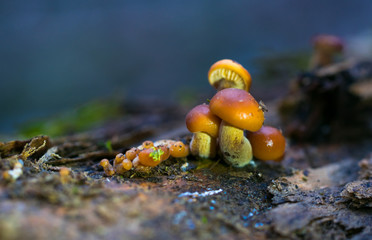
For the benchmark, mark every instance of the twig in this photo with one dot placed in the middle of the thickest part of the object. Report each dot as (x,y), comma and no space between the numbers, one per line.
(84,157)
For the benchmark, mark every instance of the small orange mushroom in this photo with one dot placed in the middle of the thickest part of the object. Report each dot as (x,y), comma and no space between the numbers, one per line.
(325,48)
(153,156)
(123,167)
(204,124)
(179,150)
(147,144)
(239,111)
(268,143)
(132,153)
(227,73)
(127,164)
(104,163)
(118,159)
(107,167)
(64,173)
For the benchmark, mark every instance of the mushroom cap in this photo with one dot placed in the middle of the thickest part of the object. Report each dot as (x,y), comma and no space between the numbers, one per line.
(328,43)
(104,163)
(268,143)
(238,108)
(132,153)
(179,150)
(201,119)
(153,156)
(230,71)
(127,164)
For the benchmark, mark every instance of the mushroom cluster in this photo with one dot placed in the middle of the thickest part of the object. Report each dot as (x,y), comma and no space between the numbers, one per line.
(204,125)
(232,123)
(145,156)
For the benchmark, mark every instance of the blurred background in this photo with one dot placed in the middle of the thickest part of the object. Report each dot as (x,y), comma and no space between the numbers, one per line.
(58,55)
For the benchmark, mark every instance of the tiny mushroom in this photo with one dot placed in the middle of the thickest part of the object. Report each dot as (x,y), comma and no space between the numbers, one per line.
(325,48)
(227,73)
(64,173)
(153,156)
(179,149)
(118,159)
(107,167)
(268,143)
(147,144)
(132,153)
(123,167)
(204,125)
(127,164)
(239,111)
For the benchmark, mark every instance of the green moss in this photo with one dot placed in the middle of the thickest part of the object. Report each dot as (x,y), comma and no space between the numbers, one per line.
(79,119)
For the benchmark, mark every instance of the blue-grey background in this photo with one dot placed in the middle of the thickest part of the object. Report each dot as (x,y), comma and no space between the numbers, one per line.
(55,55)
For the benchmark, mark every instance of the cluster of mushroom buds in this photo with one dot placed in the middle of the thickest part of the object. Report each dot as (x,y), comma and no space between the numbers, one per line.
(145,156)
(232,123)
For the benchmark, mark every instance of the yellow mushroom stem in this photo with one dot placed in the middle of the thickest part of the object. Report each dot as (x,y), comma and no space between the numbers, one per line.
(234,146)
(203,145)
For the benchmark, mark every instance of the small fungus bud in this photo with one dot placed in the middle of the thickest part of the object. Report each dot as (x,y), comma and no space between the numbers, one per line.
(153,156)
(7,176)
(107,167)
(64,173)
(147,144)
(179,149)
(104,162)
(127,164)
(118,159)
(132,153)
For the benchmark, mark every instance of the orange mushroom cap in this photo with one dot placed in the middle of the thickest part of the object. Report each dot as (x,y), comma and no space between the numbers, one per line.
(231,71)
(179,149)
(119,158)
(267,143)
(132,153)
(201,119)
(147,144)
(64,171)
(238,108)
(328,43)
(104,163)
(127,164)
(107,167)
(153,156)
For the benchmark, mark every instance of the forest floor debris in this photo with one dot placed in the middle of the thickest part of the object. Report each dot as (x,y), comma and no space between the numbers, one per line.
(317,192)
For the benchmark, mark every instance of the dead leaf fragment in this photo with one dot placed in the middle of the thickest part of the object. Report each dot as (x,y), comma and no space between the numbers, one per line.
(37,146)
